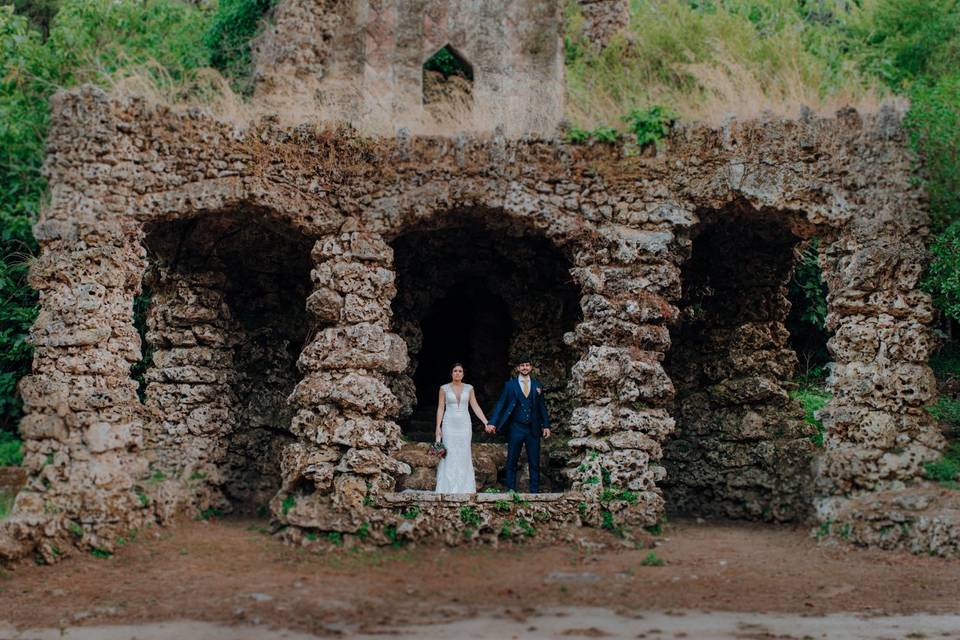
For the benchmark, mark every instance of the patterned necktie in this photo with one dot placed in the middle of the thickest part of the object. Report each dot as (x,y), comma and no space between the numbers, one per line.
(526,387)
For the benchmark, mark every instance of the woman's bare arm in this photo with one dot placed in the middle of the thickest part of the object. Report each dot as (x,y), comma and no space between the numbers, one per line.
(441,405)
(476,407)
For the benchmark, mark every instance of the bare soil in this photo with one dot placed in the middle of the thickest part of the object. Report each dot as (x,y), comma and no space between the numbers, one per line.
(231,572)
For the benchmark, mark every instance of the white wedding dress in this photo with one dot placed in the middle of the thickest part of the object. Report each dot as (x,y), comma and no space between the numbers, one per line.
(455,473)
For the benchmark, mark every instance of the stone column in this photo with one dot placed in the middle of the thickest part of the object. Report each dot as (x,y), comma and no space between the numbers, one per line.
(878,431)
(346,437)
(83,428)
(621,388)
(190,397)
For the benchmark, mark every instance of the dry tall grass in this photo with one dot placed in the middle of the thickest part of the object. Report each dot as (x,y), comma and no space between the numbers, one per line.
(706,65)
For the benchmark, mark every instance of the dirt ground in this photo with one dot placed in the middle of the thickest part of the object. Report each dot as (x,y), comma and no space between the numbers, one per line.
(231,572)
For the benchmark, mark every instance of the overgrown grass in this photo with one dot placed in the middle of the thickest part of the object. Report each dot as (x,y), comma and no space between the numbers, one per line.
(11,450)
(812,399)
(705,59)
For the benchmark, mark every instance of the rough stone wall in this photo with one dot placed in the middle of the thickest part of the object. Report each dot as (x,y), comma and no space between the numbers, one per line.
(603,19)
(190,397)
(742,448)
(119,164)
(621,420)
(361,61)
(83,428)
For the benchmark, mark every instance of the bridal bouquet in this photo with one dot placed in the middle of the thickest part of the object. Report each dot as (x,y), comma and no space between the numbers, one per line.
(438,449)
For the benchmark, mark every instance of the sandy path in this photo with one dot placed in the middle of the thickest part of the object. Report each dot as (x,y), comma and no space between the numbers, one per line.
(231,573)
(574,622)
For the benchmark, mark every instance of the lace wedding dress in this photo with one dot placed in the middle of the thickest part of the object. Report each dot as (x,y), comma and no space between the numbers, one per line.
(455,473)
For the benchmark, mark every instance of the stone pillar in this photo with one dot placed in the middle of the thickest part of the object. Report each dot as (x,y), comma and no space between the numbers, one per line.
(878,431)
(621,388)
(343,459)
(82,427)
(190,396)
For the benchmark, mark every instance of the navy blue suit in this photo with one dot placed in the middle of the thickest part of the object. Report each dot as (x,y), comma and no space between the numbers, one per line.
(523,419)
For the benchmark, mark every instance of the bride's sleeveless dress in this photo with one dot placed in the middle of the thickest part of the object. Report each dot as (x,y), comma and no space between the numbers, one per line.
(455,473)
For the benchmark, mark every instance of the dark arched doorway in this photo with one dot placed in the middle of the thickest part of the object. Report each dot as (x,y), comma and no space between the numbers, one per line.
(226,321)
(470,325)
(482,297)
(741,447)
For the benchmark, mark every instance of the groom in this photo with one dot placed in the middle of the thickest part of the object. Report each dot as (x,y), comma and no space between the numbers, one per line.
(522,412)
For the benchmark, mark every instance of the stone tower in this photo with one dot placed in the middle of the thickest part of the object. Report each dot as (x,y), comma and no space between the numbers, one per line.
(363,62)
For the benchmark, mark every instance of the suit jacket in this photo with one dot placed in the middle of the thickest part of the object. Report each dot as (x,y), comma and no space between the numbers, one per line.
(507,404)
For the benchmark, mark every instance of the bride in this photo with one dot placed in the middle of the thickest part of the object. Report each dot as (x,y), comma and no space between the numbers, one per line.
(455,473)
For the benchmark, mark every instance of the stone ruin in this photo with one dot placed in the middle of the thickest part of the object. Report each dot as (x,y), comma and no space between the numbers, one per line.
(305,288)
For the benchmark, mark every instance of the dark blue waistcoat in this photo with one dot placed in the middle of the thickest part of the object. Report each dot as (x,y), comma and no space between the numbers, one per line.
(524,414)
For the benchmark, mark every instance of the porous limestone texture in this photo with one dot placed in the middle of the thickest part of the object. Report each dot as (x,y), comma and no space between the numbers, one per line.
(361,61)
(923,518)
(310,223)
(456,519)
(603,19)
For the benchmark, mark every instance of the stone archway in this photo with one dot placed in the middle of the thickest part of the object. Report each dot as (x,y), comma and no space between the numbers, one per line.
(226,332)
(741,447)
(482,296)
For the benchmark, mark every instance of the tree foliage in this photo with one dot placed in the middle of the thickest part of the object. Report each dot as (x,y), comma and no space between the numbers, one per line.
(228,38)
(88,41)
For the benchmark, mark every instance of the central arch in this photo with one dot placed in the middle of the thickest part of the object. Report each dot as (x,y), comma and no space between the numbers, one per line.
(482,294)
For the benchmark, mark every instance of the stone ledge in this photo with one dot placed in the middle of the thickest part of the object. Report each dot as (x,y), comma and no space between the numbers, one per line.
(411,496)
(923,518)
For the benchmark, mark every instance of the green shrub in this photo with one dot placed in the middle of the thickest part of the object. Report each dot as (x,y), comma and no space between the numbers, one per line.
(812,399)
(288,503)
(447,63)
(651,560)
(232,26)
(901,41)
(526,527)
(943,277)
(89,41)
(650,125)
(11,450)
(469,516)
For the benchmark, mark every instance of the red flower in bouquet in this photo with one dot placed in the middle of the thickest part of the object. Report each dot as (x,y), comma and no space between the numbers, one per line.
(438,449)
